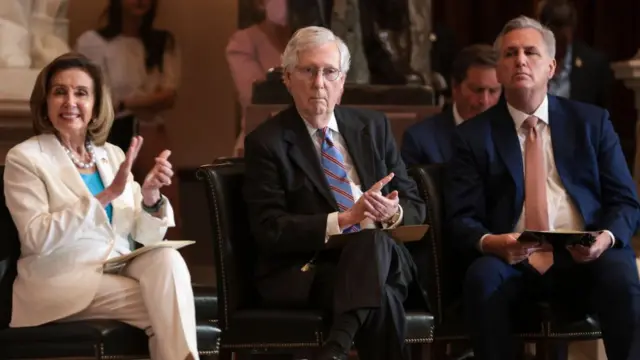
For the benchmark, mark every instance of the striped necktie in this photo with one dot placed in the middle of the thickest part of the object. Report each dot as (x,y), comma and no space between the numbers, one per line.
(336,173)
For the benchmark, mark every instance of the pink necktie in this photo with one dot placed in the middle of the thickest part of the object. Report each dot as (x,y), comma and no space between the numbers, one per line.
(536,216)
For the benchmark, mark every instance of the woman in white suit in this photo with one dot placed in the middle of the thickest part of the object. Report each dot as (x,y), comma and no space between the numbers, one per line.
(75,205)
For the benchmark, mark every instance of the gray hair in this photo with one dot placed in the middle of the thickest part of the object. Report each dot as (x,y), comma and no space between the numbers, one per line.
(312,37)
(523,22)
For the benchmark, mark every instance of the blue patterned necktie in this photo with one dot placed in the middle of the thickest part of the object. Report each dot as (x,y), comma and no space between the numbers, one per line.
(334,170)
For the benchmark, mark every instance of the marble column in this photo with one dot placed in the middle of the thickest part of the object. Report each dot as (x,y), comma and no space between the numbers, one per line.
(421,42)
(345,23)
(32,33)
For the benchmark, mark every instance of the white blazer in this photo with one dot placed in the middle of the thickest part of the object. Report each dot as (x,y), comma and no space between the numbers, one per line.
(65,234)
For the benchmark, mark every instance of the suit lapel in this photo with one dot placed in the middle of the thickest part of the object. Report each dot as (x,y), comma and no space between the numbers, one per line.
(359,147)
(62,165)
(562,139)
(303,153)
(507,144)
(104,166)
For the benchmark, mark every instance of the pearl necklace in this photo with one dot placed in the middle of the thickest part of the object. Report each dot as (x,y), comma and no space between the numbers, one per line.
(77,162)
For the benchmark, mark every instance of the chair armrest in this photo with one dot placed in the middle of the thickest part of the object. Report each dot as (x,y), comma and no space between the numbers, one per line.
(428,252)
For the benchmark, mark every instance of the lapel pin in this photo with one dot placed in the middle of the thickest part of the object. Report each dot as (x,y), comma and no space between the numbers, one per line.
(578,62)
(433,37)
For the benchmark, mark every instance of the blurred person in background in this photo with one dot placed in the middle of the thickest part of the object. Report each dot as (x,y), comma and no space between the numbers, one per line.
(582,72)
(251,52)
(142,65)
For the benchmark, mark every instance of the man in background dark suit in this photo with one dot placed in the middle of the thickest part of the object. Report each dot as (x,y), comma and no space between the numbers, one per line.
(475,89)
(539,162)
(316,170)
(582,73)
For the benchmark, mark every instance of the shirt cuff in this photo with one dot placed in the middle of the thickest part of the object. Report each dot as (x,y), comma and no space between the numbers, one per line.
(333,228)
(480,242)
(395,220)
(613,238)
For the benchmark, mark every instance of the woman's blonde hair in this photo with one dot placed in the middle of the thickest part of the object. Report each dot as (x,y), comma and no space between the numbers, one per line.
(102,115)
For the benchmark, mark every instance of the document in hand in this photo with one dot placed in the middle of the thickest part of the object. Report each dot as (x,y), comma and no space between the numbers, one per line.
(559,238)
(120,260)
(401,234)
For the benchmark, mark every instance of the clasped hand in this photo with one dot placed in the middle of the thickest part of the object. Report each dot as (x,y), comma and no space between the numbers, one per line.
(375,206)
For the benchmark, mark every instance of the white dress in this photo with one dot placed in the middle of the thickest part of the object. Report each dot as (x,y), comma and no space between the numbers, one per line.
(123,61)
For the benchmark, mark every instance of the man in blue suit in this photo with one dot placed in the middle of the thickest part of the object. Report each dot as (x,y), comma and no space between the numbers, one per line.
(540,162)
(475,89)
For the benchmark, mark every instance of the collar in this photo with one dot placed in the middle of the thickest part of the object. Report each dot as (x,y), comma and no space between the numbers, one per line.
(542,113)
(456,115)
(333,125)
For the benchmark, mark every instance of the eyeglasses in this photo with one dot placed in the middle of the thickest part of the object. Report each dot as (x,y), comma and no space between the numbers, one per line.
(308,73)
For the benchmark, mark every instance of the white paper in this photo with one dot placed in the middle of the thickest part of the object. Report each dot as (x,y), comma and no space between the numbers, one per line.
(120,260)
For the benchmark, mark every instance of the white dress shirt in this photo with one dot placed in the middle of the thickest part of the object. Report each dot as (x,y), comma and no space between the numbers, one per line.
(333,227)
(563,213)
(456,115)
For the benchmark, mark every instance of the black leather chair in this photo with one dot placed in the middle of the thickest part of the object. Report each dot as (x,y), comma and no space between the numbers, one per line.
(94,339)
(541,326)
(246,327)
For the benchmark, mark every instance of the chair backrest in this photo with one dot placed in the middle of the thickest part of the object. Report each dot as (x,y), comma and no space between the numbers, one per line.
(234,247)
(9,254)
(430,181)
(227,160)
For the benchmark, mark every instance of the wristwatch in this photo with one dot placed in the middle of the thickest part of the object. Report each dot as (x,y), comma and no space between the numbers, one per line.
(393,219)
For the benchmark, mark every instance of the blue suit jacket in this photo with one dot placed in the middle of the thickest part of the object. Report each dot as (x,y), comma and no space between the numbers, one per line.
(485,187)
(429,141)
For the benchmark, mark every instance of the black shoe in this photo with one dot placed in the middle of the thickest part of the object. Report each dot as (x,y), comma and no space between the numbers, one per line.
(332,351)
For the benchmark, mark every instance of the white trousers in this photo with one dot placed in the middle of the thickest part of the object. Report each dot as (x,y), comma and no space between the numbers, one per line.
(152,293)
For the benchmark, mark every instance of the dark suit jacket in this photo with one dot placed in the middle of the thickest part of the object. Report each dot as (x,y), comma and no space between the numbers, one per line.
(288,197)
(591,76)
(485,187)
(429,141)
